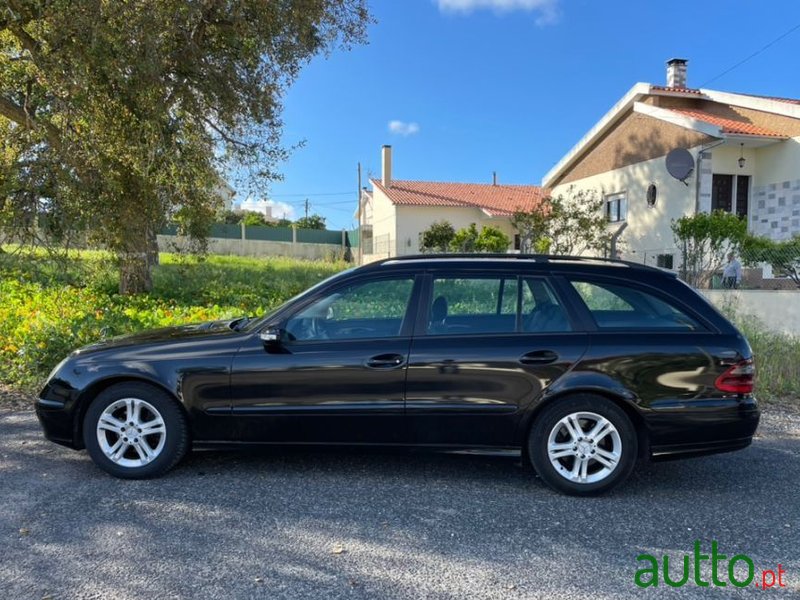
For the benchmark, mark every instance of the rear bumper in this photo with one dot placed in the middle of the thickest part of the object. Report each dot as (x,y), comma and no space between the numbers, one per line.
(677,451)
(702,427)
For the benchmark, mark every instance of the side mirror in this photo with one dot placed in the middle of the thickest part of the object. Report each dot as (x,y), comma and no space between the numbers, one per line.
(271,336)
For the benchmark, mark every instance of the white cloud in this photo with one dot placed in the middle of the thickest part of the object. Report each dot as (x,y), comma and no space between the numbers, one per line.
(547,9)
(403,128)
(277,210)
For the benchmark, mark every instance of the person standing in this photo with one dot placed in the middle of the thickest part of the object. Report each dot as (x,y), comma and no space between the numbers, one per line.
(732,274)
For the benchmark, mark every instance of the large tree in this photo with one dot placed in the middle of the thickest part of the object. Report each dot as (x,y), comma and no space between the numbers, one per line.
(116,114)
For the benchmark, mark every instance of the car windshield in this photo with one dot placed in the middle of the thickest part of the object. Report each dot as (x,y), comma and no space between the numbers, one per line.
(255,324)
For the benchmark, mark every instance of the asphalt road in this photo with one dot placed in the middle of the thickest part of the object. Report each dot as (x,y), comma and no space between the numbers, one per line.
(358,524)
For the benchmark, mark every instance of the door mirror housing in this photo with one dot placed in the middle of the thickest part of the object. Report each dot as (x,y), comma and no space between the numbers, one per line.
(271,336)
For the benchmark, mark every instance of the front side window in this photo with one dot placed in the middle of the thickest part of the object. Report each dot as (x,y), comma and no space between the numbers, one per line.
(615,306)
(372,309)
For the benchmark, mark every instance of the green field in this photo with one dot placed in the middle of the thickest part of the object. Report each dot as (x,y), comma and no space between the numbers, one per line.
(51,304)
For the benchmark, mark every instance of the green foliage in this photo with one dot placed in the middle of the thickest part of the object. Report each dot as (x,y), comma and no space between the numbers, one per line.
(52,305)
(311,222)
(776,356)
(252,218)
(573,225)
(437,237)
(115,114)
(491,239)
(705,239)
(533,228)
(577,224)
(465,239)
(784,256)
(229,217)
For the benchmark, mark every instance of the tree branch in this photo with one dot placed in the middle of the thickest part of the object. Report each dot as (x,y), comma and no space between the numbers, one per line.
(227,138)
(17,114)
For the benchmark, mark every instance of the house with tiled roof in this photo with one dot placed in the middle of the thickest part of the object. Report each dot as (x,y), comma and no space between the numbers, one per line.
(394,212)
(745,153)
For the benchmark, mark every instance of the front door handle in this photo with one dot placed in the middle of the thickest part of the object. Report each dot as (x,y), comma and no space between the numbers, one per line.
(539,357)
(386,361)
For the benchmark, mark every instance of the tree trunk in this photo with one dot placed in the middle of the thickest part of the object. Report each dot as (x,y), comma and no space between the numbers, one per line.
(152,247)
(135,275)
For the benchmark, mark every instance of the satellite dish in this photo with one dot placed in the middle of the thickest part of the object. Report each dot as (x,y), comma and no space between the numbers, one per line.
(652,192)
(680,164)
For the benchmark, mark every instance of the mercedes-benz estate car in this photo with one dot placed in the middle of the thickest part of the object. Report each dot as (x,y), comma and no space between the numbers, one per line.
(583,365)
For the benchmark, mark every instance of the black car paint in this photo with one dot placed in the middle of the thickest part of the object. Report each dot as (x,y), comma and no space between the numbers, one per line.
(446,391)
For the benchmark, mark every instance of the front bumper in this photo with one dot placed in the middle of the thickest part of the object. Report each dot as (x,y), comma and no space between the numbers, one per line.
(58,423)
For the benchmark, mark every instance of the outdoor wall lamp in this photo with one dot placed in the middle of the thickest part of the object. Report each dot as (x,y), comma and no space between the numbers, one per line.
(742,159)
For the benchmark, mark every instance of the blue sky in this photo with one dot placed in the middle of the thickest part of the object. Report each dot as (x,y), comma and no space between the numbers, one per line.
(507,85)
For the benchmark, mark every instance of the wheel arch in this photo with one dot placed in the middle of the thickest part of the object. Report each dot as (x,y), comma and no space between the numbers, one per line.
(626,405)
(90,392)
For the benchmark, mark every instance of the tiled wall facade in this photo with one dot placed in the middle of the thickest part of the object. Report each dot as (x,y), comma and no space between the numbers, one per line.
(775,210)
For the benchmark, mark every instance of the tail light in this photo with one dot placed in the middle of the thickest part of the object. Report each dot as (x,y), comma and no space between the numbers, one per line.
(739,379)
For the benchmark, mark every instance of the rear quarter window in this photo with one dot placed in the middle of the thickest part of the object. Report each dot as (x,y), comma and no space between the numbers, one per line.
(621,307)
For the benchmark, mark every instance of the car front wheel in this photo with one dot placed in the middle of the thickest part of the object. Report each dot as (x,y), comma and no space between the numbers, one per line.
(135,431)
(583,445)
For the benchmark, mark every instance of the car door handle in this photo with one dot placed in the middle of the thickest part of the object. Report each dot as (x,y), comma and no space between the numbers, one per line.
(539,357)
(386,361)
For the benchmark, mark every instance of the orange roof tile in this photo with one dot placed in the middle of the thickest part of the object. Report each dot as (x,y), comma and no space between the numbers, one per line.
(497,200)
(728,125)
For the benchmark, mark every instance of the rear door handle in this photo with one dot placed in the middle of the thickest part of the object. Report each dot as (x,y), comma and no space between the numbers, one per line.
(539,357)
(386,361)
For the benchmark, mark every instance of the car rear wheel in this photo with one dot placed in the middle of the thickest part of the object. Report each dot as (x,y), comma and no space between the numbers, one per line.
(135,431)
(583,445)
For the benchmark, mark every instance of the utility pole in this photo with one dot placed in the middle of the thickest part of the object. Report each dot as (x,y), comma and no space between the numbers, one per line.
(360,240)
(306,208)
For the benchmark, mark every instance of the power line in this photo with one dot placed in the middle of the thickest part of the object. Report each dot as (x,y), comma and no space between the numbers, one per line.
(753,55)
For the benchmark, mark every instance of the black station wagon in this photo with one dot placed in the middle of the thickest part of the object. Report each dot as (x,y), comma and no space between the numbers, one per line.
(585,365)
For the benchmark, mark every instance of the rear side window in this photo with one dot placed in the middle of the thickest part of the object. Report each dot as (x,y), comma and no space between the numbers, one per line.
(503,304)
(469,305)
(616,306)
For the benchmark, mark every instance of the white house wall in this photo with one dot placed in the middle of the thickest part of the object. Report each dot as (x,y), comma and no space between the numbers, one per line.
(648,232)
(384,225)
(413,220)
(775,197)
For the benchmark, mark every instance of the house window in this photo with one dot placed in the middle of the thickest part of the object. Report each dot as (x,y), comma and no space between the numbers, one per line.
(664,261)
(742,195)
(731,193)
(616,208)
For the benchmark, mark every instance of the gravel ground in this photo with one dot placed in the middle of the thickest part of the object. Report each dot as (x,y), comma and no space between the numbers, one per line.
(358,524)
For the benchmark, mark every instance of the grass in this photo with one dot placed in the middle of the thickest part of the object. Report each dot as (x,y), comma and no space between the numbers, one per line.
(52,304)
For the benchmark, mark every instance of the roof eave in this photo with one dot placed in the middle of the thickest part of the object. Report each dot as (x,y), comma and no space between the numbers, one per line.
(786,109)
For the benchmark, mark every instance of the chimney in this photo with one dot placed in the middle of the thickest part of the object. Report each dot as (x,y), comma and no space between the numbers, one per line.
(494,177)
(676,73)
(386,166)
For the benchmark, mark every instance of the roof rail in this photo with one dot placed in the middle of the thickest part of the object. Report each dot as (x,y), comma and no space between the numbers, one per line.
(544,258)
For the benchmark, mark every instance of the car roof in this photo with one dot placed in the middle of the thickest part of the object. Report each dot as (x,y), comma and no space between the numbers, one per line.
(534,261)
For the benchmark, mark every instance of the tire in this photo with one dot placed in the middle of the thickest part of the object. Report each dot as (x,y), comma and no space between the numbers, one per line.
(555,445)
(127,451)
